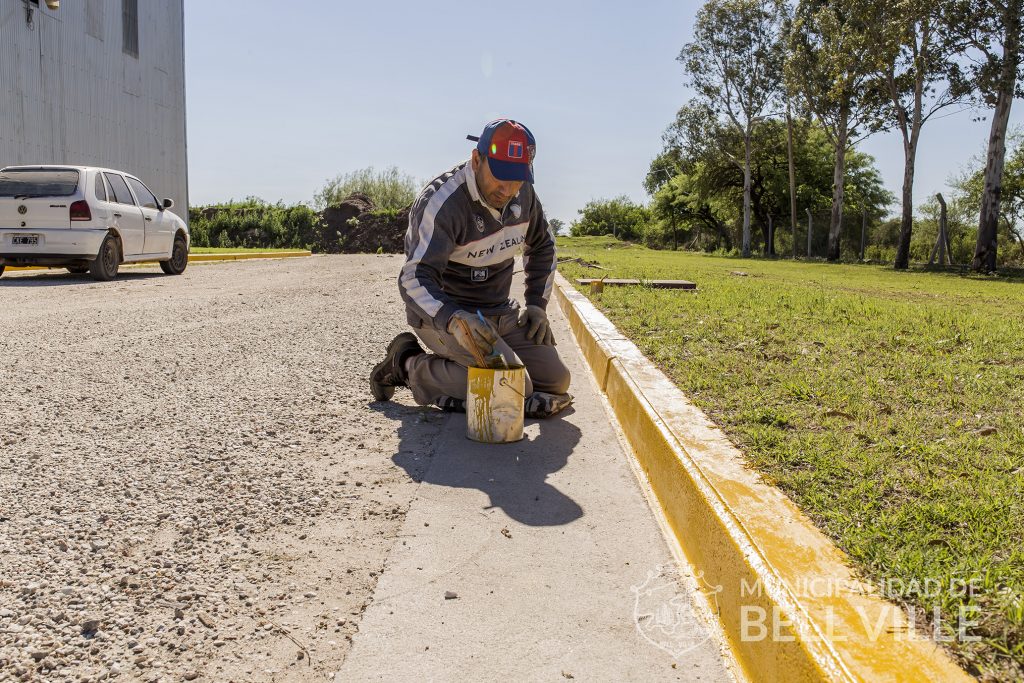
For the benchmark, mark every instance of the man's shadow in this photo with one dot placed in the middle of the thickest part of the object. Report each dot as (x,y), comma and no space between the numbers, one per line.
(514,475)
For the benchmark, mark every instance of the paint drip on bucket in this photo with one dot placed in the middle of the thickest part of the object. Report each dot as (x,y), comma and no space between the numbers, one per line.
(494,409)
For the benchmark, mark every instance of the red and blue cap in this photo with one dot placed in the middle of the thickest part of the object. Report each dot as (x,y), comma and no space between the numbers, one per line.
(509,147)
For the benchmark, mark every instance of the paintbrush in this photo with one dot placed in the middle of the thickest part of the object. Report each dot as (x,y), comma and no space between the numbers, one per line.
(494,359)
(481,362)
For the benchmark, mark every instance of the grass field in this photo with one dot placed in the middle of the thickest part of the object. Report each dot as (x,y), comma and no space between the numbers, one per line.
(887,405)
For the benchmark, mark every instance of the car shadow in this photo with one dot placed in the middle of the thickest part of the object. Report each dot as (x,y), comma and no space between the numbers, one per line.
(514,476)
(65,279)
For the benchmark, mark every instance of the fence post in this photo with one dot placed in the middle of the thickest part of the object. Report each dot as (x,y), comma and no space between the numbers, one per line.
(810,230)
(770,251)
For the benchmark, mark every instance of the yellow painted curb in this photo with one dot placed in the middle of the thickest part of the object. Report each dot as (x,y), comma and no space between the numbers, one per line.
(789,604)
(194,258)
(249,255)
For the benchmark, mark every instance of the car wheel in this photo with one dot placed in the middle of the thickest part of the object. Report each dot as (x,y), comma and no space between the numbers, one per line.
(104,267)
(78,270)
(179,258)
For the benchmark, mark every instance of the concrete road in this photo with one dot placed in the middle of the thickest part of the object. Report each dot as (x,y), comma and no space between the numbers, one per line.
(195,464)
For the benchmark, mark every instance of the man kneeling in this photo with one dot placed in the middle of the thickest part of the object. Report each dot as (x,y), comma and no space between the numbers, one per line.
(465,229)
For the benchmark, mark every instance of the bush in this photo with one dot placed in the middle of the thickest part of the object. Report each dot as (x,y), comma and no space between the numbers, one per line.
(199,230)
(302,226)
(254,223)
(389,189)
(619,217)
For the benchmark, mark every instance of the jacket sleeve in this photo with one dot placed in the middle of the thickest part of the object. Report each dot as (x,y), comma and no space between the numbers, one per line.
(539,260)
(429,242)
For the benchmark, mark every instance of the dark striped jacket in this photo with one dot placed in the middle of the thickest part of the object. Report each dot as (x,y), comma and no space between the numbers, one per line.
(459,251)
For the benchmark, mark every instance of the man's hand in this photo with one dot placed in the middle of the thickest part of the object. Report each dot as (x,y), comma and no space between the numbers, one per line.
(539,330)
(475,334)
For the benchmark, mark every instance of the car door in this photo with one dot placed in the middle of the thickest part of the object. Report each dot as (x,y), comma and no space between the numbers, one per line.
(104,206)
(128,217)
(159,230)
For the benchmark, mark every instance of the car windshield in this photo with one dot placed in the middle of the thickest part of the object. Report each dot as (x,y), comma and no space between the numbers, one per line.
(38,182)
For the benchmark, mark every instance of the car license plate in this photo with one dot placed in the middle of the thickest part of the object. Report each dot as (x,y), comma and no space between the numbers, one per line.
(26,240)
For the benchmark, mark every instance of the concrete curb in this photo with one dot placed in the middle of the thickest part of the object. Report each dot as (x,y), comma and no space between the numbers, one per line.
(788,602)
(298,253)
(195,258)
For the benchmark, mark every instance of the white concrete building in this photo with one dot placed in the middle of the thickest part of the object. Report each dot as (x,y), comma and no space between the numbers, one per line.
(96,82)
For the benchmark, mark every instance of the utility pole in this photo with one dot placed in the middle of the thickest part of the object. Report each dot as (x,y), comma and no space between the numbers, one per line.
(863,232)
(672,213)
(792,175)
(810,231)
(675,236)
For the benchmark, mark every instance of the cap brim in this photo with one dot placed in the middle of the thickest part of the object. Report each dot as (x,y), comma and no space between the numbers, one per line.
(510,170)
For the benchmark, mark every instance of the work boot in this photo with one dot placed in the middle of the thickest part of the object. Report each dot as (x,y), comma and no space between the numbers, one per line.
(540,405)
(450,404)
(390,372)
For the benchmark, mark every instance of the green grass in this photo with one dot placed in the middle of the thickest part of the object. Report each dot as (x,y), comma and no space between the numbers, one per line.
(233,250)
(870,397)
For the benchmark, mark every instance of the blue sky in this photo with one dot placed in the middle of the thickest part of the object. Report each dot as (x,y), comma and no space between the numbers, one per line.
(282,96)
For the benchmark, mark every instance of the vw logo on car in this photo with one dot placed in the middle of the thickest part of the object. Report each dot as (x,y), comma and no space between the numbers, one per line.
(22,209)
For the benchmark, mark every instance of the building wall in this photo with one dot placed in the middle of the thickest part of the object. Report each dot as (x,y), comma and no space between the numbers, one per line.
(69,94)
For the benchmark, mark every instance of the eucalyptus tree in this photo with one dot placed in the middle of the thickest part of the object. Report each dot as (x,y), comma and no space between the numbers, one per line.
(971,186)
(989,31)
(735,64)
(915,62)
(831,64)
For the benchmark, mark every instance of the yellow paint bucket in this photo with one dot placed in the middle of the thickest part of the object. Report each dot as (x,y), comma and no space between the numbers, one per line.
(494,404)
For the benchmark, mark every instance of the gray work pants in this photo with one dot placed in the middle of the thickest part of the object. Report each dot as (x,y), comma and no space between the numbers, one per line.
(443,372)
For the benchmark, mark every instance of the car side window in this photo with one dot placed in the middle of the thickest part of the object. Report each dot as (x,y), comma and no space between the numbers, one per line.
(120,189)
(146,198)
(100,189)
(110,192)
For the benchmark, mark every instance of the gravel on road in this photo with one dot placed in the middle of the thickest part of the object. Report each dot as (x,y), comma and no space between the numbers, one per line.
(194,484)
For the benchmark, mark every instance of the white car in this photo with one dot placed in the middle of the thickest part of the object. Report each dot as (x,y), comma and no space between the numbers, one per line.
(86,219)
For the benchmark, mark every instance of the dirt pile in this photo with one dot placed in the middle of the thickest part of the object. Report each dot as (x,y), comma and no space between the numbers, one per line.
(355,226)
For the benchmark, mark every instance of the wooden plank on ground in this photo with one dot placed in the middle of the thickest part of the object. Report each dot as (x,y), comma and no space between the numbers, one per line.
(656,284)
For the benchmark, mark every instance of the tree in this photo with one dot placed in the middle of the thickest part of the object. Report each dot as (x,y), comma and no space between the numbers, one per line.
(705,196)
(735,65)
(830,65)
(912,71)
(683,213)
(619,217)
(990,32)
(1012,195)
(556,225)
(972,185)
(389,189)
(691,177)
